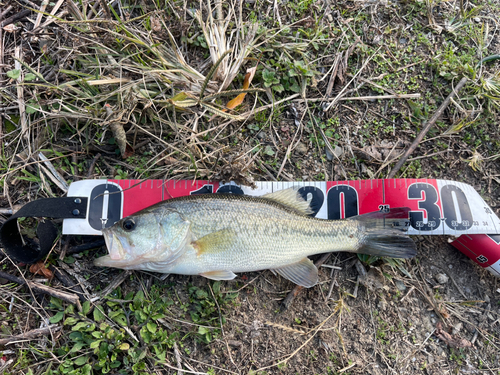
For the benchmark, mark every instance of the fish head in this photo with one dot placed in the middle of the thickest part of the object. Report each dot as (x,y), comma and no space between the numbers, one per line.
(147,236)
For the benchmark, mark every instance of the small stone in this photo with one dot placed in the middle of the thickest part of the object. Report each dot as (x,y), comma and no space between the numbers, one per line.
(450,266)
(430,359)
(329,155)
(382,305)
(261,135)
(338,151)
(364,169)
(458,327)
(330,17)
(442,278)
(402,41)
(477,19)
(400,285)
(234,343)
(301,148)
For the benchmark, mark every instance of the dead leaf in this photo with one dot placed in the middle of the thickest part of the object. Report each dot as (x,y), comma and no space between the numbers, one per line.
(235,167)
(40,269)
(155,24)
(116,127)
(451,340)
(11,28)
(246,84)
(443,311)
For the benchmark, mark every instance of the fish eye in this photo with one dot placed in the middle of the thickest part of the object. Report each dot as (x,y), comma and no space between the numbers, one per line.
(128,225)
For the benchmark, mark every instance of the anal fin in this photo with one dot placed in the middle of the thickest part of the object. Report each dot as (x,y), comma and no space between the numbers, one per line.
(303,273)
(219,275)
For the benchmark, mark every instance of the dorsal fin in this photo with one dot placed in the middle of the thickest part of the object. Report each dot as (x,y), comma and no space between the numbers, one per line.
(291,198)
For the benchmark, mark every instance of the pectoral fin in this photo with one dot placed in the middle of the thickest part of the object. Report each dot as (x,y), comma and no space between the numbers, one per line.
(218,275)
(215,242)
(302,273)
(292,199)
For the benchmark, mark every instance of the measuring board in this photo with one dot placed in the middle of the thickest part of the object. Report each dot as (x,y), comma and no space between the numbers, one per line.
(437,207)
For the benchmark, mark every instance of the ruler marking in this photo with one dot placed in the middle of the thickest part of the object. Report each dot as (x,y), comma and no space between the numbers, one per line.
(383,191)
(493,221)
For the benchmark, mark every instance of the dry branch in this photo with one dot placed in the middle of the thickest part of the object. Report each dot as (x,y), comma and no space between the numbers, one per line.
(15,17)
(40,288)
(31,335)
(426,128)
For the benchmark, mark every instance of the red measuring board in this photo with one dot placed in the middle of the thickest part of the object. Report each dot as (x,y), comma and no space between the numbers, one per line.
(438,207)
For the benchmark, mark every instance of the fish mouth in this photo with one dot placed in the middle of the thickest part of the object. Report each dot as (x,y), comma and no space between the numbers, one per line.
(115,249)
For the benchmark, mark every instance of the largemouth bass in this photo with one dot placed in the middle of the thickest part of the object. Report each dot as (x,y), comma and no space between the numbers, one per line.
(218,235)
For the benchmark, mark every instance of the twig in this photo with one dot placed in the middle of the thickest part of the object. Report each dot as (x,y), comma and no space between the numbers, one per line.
(51,19)
(356,288)
(426,128)
(104,6)
(453,281)
(5,12)
(85,246)
(407,294)
(40,288)
(31,335)
(316,330)
(67,282)
(347,368)
(40,13)
(53,174)
(375,97)
(333,275)
(92,165)
(332,267)
(15,17)
(287,302)
(178,359)
(178,369)
(20,92)
(339,95)
(113,285)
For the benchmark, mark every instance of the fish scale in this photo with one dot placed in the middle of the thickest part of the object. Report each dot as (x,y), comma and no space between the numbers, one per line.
(218,235)
(269,236)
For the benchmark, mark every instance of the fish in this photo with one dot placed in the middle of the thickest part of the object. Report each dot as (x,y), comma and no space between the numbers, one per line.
(219,235)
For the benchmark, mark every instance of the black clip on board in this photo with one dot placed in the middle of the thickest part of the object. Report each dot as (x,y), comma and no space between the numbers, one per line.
(54,208)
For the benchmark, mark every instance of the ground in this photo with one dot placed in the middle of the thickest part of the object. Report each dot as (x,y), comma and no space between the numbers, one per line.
(138,90)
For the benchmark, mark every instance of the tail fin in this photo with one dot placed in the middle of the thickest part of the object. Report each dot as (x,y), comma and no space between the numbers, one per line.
(384,234)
